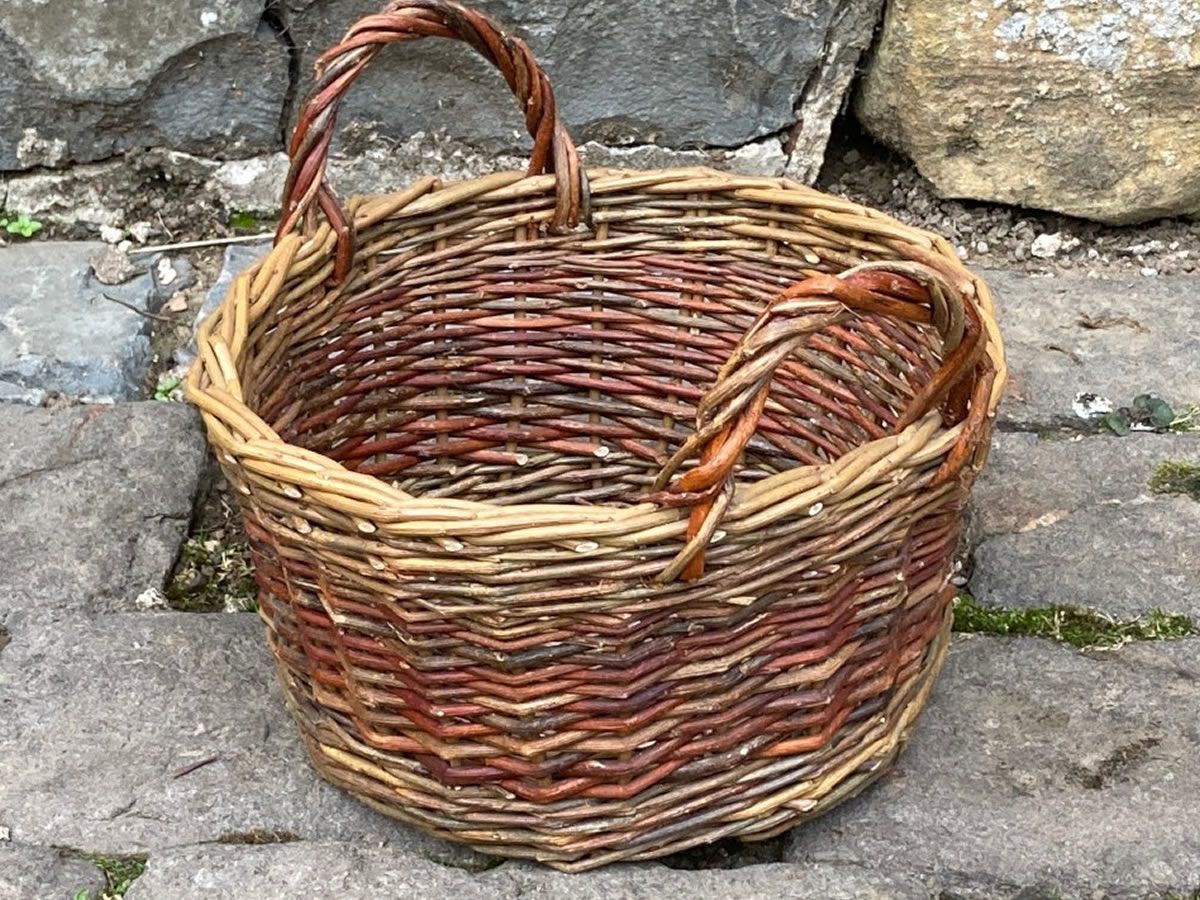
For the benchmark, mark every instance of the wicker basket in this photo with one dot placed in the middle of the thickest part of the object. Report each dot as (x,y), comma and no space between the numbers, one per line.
(596,514)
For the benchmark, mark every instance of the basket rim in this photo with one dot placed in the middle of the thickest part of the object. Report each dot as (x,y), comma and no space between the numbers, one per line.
(234,428)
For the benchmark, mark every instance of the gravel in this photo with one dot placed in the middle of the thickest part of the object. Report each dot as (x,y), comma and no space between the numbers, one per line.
(994,236)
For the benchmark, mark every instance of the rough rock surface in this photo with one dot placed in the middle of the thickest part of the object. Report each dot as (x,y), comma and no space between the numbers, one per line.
(89,79)
(826,91)
(1114,337)
(96,502)
(42,873)
(286,871)
(1081,107)
(133,732)
(678,73)
(993,236)
(1075,522)
(59,331)
(254,183)
(1038,766)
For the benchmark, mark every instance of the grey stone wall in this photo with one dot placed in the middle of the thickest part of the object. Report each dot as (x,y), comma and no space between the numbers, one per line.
(676,72)
(1076,106)
(91,79)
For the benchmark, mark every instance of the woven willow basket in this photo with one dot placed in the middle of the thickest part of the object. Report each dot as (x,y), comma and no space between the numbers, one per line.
(596,514)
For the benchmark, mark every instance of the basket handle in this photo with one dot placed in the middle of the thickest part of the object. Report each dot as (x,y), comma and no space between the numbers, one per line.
(410,20)
(729,412)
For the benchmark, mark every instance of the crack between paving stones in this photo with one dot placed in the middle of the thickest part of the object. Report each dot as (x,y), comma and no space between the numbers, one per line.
(114,866)
(1064,426)
(122,811)
(43,470)
(1167,666)
(827,64)
(167,517)
(791,132)
(274,17)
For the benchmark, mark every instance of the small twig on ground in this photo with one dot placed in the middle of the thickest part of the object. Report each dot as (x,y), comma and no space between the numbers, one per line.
(169,232)
(199,764)
(210,242)
(141,312)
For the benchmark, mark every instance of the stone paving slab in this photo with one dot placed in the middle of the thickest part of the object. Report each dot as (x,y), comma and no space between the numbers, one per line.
(96,502)
(1148,342)
(1039,767)
(1075,522)
(43,873)
(1035,767)
(101,718)
(59,331)
(349,872)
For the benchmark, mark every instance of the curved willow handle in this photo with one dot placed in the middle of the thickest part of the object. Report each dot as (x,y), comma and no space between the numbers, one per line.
(728,414)
(410,20)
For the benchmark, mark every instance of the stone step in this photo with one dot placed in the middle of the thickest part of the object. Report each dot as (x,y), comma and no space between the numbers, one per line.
(42,873)
(64,330)
(1116,337)
(1037,767)
(354,872)
(133,732)
(1074,521)
(96,502)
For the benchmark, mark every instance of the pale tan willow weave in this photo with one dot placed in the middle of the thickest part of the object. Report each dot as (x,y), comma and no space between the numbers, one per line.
(596,514)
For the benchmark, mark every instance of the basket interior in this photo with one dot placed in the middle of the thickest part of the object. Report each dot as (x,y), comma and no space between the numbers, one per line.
(528,374)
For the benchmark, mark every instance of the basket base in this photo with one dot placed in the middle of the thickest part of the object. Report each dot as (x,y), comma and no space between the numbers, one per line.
(755,801)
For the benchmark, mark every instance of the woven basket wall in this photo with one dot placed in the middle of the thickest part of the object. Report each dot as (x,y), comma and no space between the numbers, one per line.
(596,514)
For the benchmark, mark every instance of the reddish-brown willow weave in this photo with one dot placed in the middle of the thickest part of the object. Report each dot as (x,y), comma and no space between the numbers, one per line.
(596,514)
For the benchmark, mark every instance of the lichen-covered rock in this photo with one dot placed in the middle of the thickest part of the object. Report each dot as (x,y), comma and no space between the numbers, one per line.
(678,72)
(88,79)
(1086,108)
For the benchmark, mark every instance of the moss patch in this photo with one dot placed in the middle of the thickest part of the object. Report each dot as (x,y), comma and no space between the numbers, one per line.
(214,575)
(1069,624)
(1176,476)
(244,221)
(259,836)
(120,872)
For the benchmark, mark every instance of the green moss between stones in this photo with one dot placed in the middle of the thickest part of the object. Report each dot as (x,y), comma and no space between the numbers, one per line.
(1069,624)
(1177,476)
(259,836)
(120,872)
(244,220)
(212,575)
